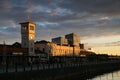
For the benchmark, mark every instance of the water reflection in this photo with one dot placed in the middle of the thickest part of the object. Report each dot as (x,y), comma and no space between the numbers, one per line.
(110,76)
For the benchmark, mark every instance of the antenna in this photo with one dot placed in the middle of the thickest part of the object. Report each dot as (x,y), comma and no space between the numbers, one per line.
(28,18)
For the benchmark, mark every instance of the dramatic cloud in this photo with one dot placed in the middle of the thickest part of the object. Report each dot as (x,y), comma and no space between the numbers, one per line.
(87,18)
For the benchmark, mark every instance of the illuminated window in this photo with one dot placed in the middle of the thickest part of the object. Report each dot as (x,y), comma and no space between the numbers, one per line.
(31,37)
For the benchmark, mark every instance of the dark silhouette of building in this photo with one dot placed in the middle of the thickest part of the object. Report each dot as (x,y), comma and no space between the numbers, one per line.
(81,46)
(16,45)
(12,49)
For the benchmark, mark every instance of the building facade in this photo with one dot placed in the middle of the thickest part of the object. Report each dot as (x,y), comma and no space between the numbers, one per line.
(58,47)
(61,46)
(53,49)
(28,36)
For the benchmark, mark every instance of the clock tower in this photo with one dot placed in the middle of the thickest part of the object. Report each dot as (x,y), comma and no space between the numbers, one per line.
(28,36)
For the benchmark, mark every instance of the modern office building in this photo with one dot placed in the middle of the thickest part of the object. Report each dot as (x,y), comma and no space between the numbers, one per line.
(73,39)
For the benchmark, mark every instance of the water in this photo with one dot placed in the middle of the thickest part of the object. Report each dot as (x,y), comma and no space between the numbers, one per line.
(108,76)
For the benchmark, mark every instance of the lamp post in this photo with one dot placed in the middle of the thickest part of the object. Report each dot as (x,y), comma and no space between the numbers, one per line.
(73,53)
(5,61)
(4,53)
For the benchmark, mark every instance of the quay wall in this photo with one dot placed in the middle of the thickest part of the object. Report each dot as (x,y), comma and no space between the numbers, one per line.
(71,72)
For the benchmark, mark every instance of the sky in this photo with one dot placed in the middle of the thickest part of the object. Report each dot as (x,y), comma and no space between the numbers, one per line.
(97,22)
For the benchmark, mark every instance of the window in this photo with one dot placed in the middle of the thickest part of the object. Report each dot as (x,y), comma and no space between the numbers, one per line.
(31,37)
(24,28)
(31,27)
(24,44)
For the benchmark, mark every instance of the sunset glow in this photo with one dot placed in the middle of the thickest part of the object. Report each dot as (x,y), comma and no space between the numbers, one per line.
(111,50)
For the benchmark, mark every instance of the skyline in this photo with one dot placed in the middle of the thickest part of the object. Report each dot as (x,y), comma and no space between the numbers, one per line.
(95,21)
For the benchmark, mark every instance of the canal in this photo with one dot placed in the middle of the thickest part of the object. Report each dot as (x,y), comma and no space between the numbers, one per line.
(108,76)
